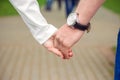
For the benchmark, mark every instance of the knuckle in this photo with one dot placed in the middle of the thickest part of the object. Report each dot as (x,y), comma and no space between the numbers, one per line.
(57,38)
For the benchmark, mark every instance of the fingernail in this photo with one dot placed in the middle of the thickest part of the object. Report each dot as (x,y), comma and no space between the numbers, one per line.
(70,54)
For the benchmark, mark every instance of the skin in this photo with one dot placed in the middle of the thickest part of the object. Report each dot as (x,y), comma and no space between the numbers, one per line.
(63,40)
(50,45)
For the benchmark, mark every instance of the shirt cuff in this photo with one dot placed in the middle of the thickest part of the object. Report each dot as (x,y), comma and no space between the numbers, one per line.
(45,35)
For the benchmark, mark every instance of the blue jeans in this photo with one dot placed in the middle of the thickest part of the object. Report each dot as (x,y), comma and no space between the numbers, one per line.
(69,6)
(117,61)
(49,5)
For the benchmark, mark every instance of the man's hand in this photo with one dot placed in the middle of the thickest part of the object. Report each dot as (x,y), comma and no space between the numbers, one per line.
(49,44)
(65,38)
(62,41)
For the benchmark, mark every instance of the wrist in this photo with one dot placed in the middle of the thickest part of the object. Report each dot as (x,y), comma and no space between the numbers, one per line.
(74,21)
(85,21)
(82,19)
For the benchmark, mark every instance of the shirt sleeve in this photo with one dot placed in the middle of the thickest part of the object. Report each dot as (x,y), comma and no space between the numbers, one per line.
(30,13)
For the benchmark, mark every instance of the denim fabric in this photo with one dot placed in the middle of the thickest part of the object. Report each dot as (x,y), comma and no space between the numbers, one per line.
(49,5)
(117,61)
(70,4)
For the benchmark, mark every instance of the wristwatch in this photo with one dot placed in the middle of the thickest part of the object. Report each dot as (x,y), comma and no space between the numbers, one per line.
(72,21)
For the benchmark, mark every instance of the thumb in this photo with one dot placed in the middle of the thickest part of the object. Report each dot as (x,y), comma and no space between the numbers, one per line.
(56,51)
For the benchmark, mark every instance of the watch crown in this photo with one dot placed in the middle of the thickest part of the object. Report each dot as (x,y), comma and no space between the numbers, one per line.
(89,28)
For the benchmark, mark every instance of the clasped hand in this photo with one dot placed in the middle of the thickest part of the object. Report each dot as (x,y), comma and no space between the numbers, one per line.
(63,40)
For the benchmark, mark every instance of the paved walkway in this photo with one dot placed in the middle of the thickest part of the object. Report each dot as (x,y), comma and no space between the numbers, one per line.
(22,58)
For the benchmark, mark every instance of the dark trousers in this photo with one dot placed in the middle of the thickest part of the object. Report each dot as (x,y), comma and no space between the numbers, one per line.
(49,5)
(70,4)
(59,4)
(117,61)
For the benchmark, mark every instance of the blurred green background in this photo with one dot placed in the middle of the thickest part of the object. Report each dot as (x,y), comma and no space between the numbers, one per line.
(6,8)
(113,5)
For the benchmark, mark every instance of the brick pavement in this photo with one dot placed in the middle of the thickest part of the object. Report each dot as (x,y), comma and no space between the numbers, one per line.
(22,58)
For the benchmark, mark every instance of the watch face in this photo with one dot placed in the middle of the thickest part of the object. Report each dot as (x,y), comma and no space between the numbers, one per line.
(72,19)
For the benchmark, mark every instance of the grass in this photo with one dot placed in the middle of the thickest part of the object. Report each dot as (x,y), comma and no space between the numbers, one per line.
(6,9)
(113,5)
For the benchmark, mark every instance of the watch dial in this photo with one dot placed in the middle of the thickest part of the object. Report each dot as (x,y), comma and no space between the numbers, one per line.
(72,19)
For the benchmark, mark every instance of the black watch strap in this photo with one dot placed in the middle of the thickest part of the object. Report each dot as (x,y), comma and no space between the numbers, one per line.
(81,27)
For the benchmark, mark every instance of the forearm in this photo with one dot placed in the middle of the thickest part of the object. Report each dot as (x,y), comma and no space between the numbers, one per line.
(30,12)
(87,9)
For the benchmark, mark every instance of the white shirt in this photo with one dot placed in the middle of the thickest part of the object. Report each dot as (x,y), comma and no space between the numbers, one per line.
(30,12)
